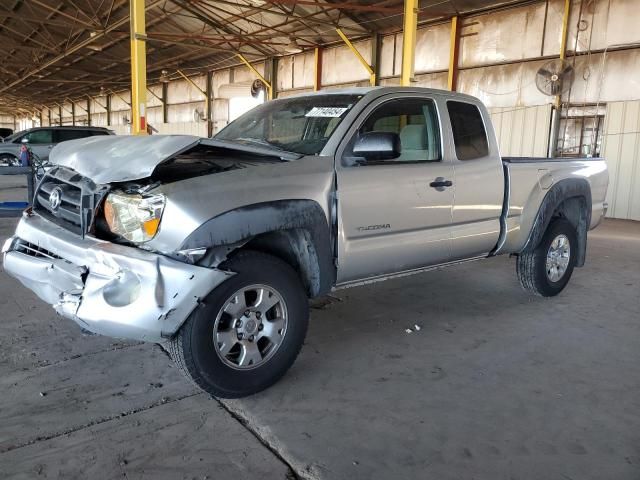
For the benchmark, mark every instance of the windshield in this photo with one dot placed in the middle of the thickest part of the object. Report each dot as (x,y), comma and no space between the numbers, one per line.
(300,125)
(11,138)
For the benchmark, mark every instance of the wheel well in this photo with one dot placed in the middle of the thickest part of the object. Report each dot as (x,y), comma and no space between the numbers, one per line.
(575,211)
(295,247)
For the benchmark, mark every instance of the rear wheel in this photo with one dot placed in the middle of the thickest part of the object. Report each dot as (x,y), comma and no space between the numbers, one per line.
(546,270)
(247,332)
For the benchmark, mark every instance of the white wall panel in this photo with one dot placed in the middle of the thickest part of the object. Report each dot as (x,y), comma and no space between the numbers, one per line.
(291,93)
(121,101)
(221,77)
(182,128)
(504,85)
(621,150)
(243,74)
(154,115)
(180,91)
(432,48)
(121,129)
(99,119)
(340,65)
(510,35)
(522,131)
(600,78)
(604,23)
(220,114)
(184,113)
(387,56)
(432,80)
(152,101)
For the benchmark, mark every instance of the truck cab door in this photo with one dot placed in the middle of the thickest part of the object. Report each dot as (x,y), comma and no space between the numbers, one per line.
(394,215)
(479,180)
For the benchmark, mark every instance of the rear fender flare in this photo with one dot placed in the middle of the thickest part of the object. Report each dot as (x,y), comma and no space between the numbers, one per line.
(572,199)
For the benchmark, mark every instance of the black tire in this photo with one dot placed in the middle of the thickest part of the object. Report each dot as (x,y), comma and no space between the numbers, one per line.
(193,348)
(531,267)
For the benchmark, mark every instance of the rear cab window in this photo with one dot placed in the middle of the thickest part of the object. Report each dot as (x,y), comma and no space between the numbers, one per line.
(469,134)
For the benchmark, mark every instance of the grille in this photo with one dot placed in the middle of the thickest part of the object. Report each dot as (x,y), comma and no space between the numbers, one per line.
(34,250)
(68,199)
(69,209)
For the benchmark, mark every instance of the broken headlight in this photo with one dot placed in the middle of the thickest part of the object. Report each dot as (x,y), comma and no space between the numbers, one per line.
(133,216)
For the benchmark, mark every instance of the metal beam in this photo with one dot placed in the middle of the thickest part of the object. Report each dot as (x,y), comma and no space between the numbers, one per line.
(365,64)
(259,75)
(138,68)
(409,41)
(108,110)
(209,93)
(454,48)
(317,69)
(376,51)
(78,46)
(165,105)
(339,6)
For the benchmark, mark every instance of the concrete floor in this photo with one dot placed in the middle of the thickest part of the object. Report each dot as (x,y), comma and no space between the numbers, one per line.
(495,385)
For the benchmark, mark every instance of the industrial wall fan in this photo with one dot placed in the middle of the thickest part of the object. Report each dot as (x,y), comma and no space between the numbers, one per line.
(198,115)
(555,77)
(257,87)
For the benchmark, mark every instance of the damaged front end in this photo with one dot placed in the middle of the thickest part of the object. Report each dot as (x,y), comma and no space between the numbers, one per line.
(106,288)
(88,248)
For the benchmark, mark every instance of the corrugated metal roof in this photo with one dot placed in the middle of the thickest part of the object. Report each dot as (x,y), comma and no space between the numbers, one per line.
(59,50)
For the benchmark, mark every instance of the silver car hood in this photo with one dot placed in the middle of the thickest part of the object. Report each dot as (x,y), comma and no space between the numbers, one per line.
(113,158)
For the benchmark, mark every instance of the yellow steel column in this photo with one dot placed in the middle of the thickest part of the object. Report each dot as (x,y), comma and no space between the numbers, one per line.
(454,47)
(138,68)
(409,41)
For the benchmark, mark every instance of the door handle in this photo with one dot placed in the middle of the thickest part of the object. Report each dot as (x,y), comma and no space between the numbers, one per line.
(440,184)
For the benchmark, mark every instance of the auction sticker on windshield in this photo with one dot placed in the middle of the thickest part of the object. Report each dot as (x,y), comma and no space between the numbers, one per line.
(331,112)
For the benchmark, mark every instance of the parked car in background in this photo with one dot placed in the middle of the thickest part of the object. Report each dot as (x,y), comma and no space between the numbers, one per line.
(42,140)
(5,132)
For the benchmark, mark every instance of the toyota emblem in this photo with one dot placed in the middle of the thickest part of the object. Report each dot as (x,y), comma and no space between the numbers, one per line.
(55,198)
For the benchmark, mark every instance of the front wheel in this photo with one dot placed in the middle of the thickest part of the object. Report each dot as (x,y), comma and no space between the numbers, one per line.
(247,332)
(9,160)
(546,270)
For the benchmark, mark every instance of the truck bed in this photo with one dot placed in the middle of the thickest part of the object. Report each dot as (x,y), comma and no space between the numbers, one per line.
(529,179)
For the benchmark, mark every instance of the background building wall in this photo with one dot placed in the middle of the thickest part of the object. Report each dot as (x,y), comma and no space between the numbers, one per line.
(500,53)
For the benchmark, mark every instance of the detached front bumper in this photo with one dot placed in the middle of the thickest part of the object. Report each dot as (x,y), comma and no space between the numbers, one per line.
(106,288)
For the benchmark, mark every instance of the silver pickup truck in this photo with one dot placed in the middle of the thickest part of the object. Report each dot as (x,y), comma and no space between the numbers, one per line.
(212,247)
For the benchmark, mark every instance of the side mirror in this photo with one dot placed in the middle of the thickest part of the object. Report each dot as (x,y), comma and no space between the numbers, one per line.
(24,140)
(374,146)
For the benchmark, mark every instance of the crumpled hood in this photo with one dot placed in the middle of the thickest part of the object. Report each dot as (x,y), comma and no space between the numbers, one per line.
(119,158)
